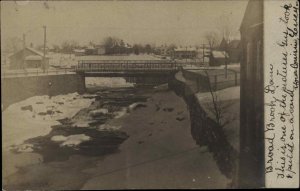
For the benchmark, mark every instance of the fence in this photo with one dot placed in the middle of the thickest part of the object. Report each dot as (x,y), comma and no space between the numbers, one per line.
(217,79)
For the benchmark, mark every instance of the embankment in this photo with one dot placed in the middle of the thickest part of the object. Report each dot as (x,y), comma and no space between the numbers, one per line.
(204,129)
(15,89)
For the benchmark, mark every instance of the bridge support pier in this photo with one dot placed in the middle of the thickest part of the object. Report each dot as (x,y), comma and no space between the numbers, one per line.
(81,88)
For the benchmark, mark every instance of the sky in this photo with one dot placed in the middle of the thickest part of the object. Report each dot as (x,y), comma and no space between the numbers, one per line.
(154,22)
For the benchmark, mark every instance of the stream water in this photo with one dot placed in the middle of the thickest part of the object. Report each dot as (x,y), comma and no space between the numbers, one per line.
(122,127)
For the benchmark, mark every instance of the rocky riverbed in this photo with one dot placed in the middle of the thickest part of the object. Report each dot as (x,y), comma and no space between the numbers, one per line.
(120,138)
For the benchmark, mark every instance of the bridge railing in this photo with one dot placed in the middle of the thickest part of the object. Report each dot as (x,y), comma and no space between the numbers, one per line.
(126,65)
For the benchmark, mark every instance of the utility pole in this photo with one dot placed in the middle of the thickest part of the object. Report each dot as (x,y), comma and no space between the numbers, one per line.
(225,52)
(203,53)
(24,47)
(185,56)
(44,56)
(225,65)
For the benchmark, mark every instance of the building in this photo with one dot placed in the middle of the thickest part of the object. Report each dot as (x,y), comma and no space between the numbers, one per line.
(251,165)
(223,45)
(218,58)
(234,51)
(100,49)
(91,50)
(163,50)
(79,52)
(233,48)
(28,58)
(185,53)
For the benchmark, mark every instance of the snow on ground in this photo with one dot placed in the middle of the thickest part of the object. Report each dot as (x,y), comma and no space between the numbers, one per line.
(121,113)
(107,82)
(135,105)
(229,107)
(62,60)
(72,140)
(34,116)
(222,95)
(97,112)
(108,127)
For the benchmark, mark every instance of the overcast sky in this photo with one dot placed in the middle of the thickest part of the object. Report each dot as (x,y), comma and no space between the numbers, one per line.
(156,22)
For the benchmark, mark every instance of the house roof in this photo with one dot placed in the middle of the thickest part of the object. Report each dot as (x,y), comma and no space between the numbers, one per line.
(185,49)
(223,44)
(79,50)
(36,52)
(90,47)
(219,54)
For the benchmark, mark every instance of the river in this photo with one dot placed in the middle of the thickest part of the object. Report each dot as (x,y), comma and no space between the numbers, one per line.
(128,137)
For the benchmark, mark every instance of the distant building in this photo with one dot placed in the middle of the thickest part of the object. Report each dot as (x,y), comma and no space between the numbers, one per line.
(251,166)
(28,58)
(100,49)
(183,53)
(232,48)
(79,52)
(223,45)
(91,50)
(218,58)
(162,50)
(203,54)
(234,51)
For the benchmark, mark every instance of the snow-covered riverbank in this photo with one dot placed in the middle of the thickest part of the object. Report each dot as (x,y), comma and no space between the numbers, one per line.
(34,116)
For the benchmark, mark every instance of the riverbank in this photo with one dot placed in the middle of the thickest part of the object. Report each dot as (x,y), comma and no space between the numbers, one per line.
(214,121)
(158,150)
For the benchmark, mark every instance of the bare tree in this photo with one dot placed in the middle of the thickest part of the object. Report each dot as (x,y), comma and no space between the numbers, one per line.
(212,39)
(226,27)
(218,107)
(68,46)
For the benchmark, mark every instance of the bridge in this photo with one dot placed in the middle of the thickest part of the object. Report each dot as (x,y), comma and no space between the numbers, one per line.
(125,68)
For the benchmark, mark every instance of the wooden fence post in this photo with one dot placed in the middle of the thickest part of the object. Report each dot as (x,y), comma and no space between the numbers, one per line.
(216,82)
(235,77)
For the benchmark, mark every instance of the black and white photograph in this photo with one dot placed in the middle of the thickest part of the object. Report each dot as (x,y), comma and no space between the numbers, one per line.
(157,94)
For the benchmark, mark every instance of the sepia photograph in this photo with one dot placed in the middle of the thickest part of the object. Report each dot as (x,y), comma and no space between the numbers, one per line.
(149,94)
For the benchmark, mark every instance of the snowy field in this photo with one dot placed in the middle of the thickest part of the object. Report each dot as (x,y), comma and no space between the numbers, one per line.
(223,95)
(34,116)
(62,60)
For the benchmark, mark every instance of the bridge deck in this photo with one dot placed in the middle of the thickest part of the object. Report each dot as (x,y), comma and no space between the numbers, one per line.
(126,66)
